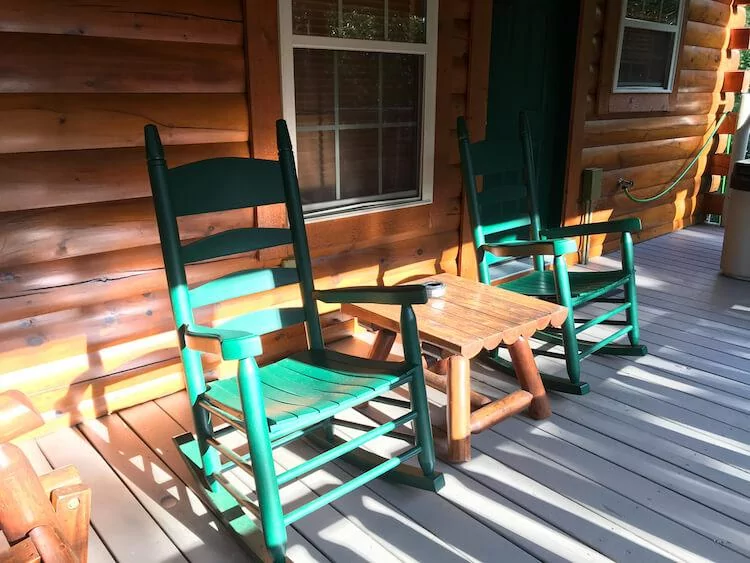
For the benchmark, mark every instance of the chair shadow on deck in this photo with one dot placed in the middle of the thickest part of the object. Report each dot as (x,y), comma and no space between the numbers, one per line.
(675,423)
(143,468)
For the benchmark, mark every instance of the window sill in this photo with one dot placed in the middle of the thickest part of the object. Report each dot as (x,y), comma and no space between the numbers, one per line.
(638,102)
(320,216)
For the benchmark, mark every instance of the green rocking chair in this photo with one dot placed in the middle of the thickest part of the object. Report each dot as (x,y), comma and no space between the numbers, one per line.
(298,396)
(500,236)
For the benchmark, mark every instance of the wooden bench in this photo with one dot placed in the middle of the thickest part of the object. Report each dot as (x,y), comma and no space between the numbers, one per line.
(42,518)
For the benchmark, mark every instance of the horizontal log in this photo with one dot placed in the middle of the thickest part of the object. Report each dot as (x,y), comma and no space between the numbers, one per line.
(50,384)
(43,287)
(54,233)
(687,103)
(700,58)
(136,321)
(92,399)
(699,81)
(605,132)
(687,188)
(33,62)
(664,212)
(60,178)
(709,11)
(646,176)
(702,34)
(615,157)
(193,21)
(652,218)
(33,123)
(333,237)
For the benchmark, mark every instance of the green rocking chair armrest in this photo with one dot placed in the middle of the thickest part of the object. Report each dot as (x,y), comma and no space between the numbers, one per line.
(396,295)
(556,247)
(229,344)
(631,225)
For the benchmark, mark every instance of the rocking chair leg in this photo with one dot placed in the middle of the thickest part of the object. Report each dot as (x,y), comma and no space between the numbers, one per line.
(328,430)
(272,516)
(572,357)
(570,342)
(210,462)
(630,288)
(196,386)
(418,391)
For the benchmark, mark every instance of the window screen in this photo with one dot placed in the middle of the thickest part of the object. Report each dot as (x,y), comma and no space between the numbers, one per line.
(359,76)
(648,45)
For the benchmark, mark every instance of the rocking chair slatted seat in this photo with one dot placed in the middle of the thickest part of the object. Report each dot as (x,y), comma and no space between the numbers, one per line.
(298,396)
(500,237)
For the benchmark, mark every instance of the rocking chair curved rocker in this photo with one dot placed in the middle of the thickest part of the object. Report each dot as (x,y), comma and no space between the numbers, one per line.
(298,396)
(499,238)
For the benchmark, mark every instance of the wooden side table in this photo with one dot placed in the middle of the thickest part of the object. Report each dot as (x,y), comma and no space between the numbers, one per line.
(469,318)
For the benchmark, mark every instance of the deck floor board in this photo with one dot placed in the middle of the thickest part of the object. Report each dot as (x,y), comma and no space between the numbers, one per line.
(652,465)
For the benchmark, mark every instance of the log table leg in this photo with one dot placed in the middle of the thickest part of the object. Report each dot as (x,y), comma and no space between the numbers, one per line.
(382,345)
(529,378)
(459,409)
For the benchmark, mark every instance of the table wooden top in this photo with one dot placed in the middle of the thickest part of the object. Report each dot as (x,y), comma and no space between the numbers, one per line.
(470,316)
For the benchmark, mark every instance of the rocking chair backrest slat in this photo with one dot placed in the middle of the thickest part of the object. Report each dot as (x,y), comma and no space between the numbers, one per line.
(243,283)
(234,241)
(266,320)
(504,206)
(221,184)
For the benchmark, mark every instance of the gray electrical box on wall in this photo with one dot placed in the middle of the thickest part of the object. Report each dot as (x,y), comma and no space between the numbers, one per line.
(591,187)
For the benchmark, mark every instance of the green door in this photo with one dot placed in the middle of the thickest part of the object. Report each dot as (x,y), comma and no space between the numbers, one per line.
(531,69)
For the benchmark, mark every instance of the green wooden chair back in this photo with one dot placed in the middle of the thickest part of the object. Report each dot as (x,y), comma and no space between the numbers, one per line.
(223,184)
(506,207)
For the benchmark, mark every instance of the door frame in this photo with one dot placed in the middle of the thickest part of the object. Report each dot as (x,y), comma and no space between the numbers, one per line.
(476,113)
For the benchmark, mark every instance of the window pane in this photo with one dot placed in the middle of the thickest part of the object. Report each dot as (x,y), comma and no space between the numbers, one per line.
(359,163)
(407,20)
(314,93)
(646,59)
(358,86)
(661,11)
(389,20)
(315,17)
(401,150)
(316,166)
(402,81)
(362,19)
(366,108)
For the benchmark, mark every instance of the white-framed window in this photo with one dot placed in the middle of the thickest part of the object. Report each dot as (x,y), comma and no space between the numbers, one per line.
(648,45)
(358,93)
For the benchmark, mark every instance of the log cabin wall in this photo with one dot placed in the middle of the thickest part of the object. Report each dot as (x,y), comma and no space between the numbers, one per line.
(85,325)
(652,148)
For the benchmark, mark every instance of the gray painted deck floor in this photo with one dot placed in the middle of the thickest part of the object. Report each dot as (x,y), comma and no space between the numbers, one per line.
(653,464)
